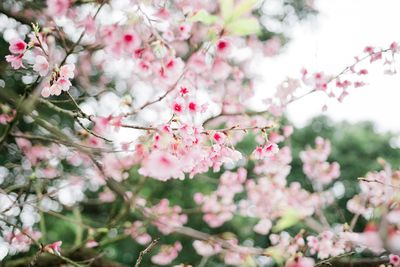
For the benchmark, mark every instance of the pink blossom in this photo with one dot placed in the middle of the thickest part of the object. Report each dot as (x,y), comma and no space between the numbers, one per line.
(220,69)
(184,31)
(46,91)
(300,262)
(218,137)
(64,84)
(107,196)
(138,232)
(162,166)
(67,71)
(394,259)
(41,65)
(58,7)
(206,249)
(8,117)
(18,239)
(54,248)
(287,130)
(272,46)
(91,244)
(265,151)
(394,47)
(263,226)
(223,47)
(130,40)
(89,25)
(16,61)
(315,165)
(17,46)
(167,254)
(192,106)
(177,107)
(55,89)
(167,218)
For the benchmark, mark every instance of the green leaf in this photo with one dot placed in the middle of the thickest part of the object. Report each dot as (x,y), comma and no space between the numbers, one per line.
(289,218)
(226,7)
(243,8)
(204,17)
(275,253)
(243,27)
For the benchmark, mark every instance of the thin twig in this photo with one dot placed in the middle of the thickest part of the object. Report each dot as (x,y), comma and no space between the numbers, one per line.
(146,250)
(328,261)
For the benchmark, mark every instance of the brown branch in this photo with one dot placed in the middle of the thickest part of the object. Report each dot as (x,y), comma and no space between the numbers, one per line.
(146,250)
(377,181)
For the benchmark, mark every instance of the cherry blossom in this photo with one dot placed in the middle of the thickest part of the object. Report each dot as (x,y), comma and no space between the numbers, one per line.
(167,254)
(58,7)
(394,259)
(41,65)
(315,165)
(53,248)
(17,46)
(300,262)
(166,217)
(15,61)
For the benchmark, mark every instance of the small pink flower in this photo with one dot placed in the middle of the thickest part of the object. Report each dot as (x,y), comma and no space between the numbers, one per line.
(7,117)
(89,24)
(363,72)
(67,71)
(259,152)
(17,46)
(46,91)
(54,248)
(287,130)
(55,89)
(177,107)
(41,65)
(369,49)
(161,166)
(183,91)
(16,61)
(219,138)
(271,148)
(130,41)
(192,106)
(300,262)
(58,7)
(394,47)
(223,47)
(394,260)
(64,84)
(167,254)
(91,244)
(206,249)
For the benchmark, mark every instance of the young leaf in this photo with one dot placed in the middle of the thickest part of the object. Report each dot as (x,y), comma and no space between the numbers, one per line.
(289,218)
(204,17)
(226,7)
(243,7)
(243,27)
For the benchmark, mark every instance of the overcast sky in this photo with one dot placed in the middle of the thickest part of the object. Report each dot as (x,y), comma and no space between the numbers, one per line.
(328,43)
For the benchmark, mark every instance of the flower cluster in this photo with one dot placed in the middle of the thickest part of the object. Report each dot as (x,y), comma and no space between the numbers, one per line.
(315,164)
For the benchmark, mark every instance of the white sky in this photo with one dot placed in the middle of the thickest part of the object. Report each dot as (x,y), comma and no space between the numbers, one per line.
(329,43)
